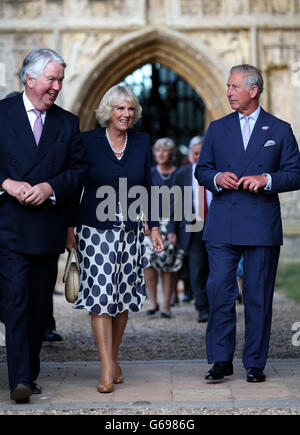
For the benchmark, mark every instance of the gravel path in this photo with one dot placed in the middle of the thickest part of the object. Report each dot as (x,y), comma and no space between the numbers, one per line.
(154,338)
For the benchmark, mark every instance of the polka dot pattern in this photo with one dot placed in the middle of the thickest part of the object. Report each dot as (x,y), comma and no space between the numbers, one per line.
(111,265)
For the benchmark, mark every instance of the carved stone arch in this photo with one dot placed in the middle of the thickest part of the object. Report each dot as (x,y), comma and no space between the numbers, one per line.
(190,59)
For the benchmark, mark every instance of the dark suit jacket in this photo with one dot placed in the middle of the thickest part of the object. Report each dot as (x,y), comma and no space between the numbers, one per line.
(106,170)
(58,160)
(182,178)
(241,217)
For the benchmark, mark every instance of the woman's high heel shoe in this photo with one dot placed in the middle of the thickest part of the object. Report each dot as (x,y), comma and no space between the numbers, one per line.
(118,379)
(108,388)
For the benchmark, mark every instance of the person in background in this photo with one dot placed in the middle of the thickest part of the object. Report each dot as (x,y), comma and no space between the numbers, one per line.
(111,246)
(195,255)
(41,167)
(164,264)
(248,157)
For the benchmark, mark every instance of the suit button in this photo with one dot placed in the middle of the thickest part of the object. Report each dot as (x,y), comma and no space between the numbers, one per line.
(234,203)
(229,165)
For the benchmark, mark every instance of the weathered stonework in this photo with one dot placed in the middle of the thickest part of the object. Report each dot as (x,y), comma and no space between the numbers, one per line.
(104,40)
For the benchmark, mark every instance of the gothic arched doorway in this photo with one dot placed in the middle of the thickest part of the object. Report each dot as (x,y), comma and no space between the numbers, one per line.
(170,105)
(172,49)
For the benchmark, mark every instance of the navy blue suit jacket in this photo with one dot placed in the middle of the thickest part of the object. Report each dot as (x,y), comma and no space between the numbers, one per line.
(58,160)
(182,178)
(241,217)
(105,170)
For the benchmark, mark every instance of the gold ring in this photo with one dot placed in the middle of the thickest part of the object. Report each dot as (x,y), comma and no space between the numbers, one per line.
(255,188)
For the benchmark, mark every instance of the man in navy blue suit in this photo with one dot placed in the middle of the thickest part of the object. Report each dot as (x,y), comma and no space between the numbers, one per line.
(41,168)
(195,255)
(247,158)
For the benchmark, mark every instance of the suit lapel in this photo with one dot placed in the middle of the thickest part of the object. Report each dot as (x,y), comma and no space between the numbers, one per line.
(235,149)
(24,147)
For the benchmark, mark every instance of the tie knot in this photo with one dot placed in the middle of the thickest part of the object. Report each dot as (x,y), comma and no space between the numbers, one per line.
(37,112)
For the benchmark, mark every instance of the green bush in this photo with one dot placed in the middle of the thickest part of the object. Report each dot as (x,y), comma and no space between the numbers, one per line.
(288,280)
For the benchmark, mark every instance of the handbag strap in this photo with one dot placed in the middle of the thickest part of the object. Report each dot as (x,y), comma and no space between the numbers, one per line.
(72,253)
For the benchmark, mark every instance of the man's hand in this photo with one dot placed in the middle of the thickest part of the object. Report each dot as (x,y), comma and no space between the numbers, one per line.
(227,180)
(253,182)
(38,194)
(18,189)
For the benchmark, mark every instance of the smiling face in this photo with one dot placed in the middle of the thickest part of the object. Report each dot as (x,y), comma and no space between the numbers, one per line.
(43,91)
(239,97)
(122,116)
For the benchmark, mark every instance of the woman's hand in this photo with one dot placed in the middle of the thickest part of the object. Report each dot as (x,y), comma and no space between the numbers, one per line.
(71,239)
(147,230)
(157,240)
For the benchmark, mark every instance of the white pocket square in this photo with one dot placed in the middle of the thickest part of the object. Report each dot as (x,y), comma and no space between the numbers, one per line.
(269,143)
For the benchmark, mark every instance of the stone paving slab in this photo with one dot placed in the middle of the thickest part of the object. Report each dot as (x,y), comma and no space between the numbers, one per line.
(159,384)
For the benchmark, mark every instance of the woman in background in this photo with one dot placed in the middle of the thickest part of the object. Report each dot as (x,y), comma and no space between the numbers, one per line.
(165,264)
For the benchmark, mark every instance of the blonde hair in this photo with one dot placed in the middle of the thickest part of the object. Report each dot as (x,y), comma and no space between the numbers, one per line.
(113,97)
(165,142)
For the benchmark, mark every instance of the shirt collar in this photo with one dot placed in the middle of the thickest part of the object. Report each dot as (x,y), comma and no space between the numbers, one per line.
(253,115)
(28,104)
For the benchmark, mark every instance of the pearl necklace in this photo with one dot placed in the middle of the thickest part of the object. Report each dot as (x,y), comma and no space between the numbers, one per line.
(116,152)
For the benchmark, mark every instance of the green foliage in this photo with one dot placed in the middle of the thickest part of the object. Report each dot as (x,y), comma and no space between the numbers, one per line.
(288,280)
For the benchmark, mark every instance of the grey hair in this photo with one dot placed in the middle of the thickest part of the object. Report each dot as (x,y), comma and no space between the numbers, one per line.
(165,142)
(36,61)
(195,140)
(113,97)
(252,76)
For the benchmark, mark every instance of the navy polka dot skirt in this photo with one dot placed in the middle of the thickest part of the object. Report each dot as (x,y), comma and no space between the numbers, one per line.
(112,266)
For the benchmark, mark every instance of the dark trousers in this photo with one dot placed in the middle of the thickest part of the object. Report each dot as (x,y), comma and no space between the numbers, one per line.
(260,266)
(26,287)
(198,269)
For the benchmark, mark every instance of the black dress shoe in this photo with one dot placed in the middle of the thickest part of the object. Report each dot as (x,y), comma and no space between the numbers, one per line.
(186,298)
(202,317)
(36,388)
(165,315)
(52,335)
(21,393)
(255,375)
(151,312)
(219,370)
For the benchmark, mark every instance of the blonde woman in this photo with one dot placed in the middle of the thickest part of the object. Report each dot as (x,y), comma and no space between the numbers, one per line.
(111,250)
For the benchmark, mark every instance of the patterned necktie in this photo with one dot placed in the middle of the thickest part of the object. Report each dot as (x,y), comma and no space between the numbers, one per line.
(246,132)
(38,126)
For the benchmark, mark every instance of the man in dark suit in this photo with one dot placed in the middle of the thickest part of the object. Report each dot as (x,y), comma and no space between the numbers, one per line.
(195,255)
(41,167)
(247,158)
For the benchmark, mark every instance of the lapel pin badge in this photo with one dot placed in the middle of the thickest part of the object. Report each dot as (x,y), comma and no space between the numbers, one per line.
(265,127)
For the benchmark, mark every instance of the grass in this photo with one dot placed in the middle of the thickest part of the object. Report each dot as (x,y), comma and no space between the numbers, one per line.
(288,280)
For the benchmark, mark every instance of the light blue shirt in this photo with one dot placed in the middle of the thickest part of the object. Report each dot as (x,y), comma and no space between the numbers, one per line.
(252,120)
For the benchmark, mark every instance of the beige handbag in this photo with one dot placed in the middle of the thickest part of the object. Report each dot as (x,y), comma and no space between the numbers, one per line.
(71,276)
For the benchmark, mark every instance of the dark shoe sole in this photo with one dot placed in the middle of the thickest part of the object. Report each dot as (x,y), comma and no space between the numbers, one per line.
(21,393)
(255,380)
